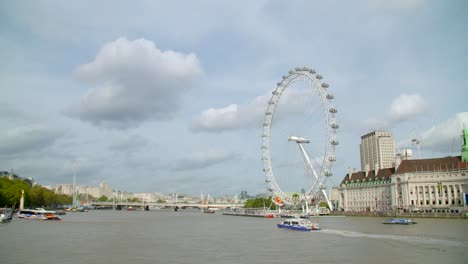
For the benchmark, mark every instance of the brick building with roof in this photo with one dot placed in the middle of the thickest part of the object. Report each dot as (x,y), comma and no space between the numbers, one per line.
(429,185)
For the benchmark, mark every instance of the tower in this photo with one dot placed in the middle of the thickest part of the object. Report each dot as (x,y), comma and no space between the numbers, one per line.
(464,149)
(377,150)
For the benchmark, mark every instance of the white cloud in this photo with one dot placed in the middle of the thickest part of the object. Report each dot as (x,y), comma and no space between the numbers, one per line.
(442,137)
(29,138)
(403,108)
(134,81)
(235,116)
(228,118)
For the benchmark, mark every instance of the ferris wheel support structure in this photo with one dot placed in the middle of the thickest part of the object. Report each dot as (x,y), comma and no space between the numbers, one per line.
(318,183)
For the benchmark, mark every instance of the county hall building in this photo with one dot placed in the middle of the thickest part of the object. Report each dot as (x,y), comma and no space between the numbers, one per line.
(425,185)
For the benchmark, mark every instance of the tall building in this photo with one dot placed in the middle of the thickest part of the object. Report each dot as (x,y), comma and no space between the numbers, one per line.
(428,185)
(377,151)
(436,185)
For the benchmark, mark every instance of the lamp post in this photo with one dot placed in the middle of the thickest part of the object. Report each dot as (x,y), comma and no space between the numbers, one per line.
(417,143)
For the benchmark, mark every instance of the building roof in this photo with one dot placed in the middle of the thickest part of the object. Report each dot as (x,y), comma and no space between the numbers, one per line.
(437,164)
(359,175)
(375,132)
(416,165)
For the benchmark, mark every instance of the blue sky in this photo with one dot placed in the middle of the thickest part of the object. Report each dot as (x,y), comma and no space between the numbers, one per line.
(152,96)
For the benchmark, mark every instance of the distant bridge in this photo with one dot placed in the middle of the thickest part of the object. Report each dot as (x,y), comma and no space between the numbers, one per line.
(146,205)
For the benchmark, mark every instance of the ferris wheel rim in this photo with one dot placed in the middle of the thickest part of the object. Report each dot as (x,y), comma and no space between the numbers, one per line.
(315,82)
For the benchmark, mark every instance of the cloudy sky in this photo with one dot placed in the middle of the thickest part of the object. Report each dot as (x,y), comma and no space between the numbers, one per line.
(169,96)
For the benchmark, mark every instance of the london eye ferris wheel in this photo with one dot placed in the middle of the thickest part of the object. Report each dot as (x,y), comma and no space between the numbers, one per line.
(299,138)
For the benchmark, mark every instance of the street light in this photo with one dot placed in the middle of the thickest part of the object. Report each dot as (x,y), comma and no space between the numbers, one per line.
(417,142)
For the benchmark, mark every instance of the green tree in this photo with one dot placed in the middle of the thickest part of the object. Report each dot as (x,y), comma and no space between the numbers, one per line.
(260,203)
(10,194)
(10,191)
(324,204)
(103,198)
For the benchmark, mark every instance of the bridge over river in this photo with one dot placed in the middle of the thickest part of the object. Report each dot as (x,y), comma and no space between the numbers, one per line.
(148,205)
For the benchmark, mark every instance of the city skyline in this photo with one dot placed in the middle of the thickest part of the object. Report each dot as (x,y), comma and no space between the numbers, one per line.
(158,98)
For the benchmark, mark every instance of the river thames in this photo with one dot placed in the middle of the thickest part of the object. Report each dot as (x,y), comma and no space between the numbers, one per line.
(159,236)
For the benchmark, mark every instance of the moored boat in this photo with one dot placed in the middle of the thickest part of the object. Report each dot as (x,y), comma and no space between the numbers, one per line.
(269,216)
(208,211)
(6,214)
(37,214)
(298,224)
(399,221)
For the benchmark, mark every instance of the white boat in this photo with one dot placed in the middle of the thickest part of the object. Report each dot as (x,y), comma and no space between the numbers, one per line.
(208,211)
(6,214)
(37,214)
(399,221)
(298,224)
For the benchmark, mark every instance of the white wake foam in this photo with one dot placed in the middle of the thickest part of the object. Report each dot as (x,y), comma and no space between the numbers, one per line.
(410,239)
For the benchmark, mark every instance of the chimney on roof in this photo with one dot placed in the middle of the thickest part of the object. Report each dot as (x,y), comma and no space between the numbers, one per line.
(376,166)
(367,169)
(350,172)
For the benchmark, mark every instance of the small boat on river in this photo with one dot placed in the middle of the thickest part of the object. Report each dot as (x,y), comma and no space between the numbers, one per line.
(208,211)
(298,224)
(6,214)
(37,214)
(399,221)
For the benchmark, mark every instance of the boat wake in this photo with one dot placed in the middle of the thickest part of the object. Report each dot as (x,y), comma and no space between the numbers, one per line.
(409,239)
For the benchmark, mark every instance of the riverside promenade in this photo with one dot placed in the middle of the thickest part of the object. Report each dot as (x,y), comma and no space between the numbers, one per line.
(260,212)
(397,213)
